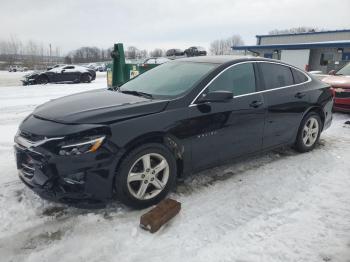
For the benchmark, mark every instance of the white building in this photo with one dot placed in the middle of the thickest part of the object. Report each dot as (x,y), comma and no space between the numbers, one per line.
(323,51)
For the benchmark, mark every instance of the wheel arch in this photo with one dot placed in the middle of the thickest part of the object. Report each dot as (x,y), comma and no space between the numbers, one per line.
(43,75)
(316,109)
(168,140)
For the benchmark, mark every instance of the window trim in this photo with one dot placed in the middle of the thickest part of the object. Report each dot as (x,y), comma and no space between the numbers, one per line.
(254,72)
(257,92)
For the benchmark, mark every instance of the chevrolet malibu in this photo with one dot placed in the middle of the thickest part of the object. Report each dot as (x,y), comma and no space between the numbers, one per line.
(180,117)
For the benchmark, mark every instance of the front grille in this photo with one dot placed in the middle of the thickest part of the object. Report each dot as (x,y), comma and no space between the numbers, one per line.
(342,106)
(342,94)
(31,137)
(27,166)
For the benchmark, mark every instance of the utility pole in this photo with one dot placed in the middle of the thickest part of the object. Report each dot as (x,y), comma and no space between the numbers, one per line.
(50,54)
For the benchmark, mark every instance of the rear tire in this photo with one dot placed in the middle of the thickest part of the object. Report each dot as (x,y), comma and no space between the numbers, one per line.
(309,132)
(145,176)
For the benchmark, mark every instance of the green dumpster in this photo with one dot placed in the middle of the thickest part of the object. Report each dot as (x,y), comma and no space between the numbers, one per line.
(118,72)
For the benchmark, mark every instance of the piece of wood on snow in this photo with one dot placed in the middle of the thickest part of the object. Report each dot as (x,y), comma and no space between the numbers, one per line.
(159,215)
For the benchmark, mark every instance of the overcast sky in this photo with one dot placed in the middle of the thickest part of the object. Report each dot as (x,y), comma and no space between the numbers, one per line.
(148,24)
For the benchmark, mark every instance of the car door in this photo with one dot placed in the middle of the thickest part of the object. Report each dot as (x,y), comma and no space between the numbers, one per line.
(286,99)
(225,130)
(68,73)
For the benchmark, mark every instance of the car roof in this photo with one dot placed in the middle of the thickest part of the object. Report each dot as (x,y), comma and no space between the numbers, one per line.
(223,59)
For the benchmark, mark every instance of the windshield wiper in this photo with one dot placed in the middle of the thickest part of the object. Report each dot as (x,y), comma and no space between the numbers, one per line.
(136,93)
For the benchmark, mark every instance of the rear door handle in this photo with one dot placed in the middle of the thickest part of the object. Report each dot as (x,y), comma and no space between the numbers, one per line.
(256,104)
(300,95)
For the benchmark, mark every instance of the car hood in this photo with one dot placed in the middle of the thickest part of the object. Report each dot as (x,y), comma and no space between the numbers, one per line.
(96,107)
(337,81)
(35,73)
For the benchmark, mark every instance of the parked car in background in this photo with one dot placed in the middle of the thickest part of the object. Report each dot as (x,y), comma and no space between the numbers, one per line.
(340,82)
(180,117)
(67,73)
(98,67)
(174,52)
(195,51)
(17,69)
(101,68)
(156,60)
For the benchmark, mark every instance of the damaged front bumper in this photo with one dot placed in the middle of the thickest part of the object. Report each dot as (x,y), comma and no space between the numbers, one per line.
(28,81)
(83,178)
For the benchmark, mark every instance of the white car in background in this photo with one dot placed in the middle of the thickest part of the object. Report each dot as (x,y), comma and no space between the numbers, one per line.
(17,69)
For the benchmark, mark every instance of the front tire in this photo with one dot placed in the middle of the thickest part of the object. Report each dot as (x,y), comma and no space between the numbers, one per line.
(145,176)
(42,80)
(309,132)
(85,78)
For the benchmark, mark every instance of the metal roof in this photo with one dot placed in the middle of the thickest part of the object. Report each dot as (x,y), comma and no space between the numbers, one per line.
(334,44)
(306,33)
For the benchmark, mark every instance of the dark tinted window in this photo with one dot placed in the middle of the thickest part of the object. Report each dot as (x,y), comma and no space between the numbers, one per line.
(239,79)
(276,75)
(299,77)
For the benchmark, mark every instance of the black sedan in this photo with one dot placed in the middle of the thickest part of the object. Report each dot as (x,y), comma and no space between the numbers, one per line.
(195,51)
(174,52)
(59,74)
(136,141)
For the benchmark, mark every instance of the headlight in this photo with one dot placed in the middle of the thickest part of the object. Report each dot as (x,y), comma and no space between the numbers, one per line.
(90,144)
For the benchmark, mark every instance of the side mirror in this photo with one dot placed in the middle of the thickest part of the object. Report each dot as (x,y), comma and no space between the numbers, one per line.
(216,96)
(63,70)
(332,72)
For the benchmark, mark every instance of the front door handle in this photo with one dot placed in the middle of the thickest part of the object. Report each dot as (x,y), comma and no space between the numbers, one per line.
(256,104)
(300,95)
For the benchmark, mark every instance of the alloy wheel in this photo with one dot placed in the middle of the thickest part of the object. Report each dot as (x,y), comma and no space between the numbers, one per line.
(148,176)
(310,132)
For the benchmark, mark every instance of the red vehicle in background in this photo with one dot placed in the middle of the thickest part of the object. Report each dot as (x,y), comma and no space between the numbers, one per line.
(340,82)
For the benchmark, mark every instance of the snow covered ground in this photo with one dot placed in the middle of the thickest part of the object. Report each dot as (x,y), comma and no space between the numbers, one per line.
(282,206)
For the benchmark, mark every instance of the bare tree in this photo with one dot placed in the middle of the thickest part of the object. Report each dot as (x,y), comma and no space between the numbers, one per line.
(32,51)
(31,54)
(143,54)
(224,46)
(12,48)
(131,52)
(68,59)
(86,55)
(157,52)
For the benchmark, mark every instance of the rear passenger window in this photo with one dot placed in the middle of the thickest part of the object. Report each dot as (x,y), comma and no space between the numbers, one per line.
(299,77)
(239,79)
(275,75)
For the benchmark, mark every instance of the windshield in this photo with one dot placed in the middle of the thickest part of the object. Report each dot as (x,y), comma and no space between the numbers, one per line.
(170,79)
(344,71)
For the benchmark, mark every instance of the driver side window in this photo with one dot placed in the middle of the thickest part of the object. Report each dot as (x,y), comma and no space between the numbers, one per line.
(239,79)
(68,67)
